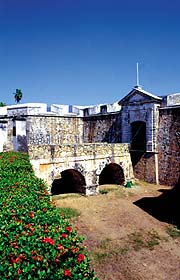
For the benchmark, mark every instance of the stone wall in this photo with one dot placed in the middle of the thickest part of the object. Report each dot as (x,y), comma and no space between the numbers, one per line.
(147,113)
(54,130)
(102,128)
(169,146)
(89,159)
(144,166)
(55,142)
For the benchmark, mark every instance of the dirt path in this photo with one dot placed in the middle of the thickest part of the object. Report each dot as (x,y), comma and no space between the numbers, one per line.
(124,241)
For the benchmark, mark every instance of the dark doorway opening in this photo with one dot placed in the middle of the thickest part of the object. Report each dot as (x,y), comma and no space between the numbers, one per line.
(112,174)
(71,181)
(138,140)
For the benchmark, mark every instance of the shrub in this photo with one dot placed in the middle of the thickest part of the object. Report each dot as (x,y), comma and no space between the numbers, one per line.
(36,242)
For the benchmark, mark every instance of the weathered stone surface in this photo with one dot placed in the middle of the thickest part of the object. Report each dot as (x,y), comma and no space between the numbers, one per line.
(89,159)
(173,99)
(54,130)
(102,128)
(169,146)
(146,113)
(144,166)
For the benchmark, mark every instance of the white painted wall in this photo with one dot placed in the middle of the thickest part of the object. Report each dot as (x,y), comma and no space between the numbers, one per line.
(3,135)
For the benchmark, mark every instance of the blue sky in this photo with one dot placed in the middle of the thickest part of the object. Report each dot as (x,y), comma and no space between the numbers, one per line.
(85,51)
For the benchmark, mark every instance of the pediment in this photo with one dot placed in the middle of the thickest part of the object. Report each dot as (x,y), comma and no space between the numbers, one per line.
(139,96)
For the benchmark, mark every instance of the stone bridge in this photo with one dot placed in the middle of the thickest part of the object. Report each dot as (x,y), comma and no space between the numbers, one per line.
(88,158)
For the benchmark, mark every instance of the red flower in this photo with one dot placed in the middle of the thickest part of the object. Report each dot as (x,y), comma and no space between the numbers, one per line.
(31,215)
(44,209)
(40,258)
(80,258)
(64,235)
(69,229)
(74,250)
(16,260)
(60,247)
(19,271)
(33,252)
(27,226)
(48,240)
(67,272)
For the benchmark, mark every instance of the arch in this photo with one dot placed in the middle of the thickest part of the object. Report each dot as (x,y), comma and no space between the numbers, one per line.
(71,181)
(138,136)
(102,164)
(112,174)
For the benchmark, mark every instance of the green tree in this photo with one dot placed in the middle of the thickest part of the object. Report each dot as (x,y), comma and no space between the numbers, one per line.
(2,104)
(18,95)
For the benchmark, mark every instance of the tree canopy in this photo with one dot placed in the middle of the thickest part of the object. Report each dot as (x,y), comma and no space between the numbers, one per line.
(18,95)
(2,104)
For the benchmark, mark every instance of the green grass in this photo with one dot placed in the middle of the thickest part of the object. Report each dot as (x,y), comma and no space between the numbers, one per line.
(120,193)
(173,231)
(103,191)
(99,256)
(104,244)
(137,241)
(66,196)
(141,240)
(102,255)
(106,250)
(68,212)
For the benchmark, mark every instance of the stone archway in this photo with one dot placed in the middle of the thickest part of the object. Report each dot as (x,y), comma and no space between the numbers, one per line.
(112,174)
(71,181)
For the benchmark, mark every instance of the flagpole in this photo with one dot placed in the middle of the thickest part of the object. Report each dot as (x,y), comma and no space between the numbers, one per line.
(137,74)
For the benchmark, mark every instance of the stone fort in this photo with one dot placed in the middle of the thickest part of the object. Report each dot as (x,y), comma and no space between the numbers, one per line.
(140,134)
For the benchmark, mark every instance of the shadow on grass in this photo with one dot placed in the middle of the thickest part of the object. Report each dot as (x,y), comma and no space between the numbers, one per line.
(165,207)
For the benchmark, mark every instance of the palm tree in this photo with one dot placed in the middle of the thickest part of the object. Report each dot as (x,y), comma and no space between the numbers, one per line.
(18,95)
(2,104)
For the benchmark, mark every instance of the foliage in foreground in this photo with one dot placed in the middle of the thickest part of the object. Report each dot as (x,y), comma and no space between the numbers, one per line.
(36,242)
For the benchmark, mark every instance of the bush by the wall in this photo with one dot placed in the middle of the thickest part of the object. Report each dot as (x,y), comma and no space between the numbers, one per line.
(36,243)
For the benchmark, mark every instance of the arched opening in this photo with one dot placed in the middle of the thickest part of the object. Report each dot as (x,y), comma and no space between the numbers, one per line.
(138,132)
(71,181)
(112,174)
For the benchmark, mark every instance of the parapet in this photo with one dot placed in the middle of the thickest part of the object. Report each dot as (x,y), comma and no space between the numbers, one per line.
(29,109)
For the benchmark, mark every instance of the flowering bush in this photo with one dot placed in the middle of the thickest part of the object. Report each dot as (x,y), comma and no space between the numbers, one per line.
(36,242)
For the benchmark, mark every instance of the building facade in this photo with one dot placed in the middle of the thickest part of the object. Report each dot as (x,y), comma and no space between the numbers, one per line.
(148,123)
